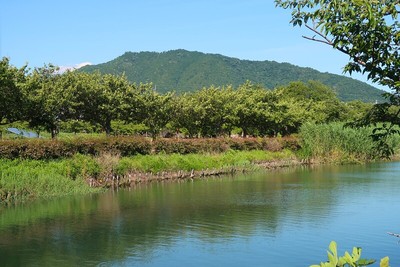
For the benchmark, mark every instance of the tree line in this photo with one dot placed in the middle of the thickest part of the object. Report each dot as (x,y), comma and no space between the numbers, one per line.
(49,101)
(169,71)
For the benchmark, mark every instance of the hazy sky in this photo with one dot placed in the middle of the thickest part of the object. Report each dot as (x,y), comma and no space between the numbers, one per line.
(71,32)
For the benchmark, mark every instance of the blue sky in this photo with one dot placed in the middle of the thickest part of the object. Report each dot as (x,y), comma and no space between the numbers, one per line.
(68,33)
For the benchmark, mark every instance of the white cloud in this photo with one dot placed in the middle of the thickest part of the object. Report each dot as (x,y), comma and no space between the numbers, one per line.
(75,67)
(80,65)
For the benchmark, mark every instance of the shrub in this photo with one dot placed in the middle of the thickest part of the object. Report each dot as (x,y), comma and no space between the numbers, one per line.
(130,146)
(190,146)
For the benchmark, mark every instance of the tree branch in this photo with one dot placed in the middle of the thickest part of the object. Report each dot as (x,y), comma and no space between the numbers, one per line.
(316,40)
(326,40)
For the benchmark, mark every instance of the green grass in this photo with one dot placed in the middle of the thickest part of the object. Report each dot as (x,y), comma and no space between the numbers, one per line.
(25,179)
(335,143)
(22,180)
(177,162)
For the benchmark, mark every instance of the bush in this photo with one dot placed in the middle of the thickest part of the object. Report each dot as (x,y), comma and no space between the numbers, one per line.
(130,146)
(54,149)
(215,145)
(190,146)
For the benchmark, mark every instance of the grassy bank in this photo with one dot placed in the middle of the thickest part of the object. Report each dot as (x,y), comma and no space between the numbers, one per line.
(334,143)
(24,179)
(196,162)
(21,180)
(49,168)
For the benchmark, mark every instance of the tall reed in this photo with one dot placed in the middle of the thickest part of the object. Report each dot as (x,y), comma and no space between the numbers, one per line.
(334,142)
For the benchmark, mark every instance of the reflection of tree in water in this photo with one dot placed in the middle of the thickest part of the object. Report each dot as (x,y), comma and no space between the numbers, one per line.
(114,226)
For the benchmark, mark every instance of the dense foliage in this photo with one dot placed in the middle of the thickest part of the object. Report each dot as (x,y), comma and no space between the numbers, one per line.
(186,71)
(369,33)
(335,143)
(88,102)
(11,79)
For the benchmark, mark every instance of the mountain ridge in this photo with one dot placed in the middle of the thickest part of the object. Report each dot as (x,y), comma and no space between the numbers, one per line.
(183,71)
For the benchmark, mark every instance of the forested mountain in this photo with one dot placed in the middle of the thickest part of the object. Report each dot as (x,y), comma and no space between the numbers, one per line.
(181,71)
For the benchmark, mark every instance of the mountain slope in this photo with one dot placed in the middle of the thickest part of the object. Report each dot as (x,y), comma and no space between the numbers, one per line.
(182,71)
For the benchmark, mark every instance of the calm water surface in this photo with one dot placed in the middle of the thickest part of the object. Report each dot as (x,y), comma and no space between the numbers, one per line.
(278,218)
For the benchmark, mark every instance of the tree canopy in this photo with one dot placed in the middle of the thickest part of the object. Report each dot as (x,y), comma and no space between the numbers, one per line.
(368,31)
(11,80)
(75,101)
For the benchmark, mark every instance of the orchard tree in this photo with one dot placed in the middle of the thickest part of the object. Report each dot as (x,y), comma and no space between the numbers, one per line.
(253,107)
(300,102)
(132,106)
(11,97)
(154,109)
(368,31)
(318,99)
(110,93)
(100,98)
(215,110)
(82,90)
(186,114)
(48,103)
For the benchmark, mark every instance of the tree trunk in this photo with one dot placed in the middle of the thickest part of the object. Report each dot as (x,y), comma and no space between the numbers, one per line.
(107,128)
(244,133)
(53,133)
(153,135)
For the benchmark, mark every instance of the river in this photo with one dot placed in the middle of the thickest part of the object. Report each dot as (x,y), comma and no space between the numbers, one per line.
(276,218)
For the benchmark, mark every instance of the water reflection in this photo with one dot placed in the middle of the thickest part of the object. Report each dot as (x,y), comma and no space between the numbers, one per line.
(151,223)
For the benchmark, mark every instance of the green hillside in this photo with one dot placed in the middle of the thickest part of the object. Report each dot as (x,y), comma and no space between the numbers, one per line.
(182,70)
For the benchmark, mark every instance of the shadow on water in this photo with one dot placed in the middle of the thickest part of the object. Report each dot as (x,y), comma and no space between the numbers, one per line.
(135,223)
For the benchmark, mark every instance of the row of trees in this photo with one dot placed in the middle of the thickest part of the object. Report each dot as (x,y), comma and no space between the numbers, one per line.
(47,100)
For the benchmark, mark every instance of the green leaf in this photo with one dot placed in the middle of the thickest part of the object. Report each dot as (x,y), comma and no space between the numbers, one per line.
(365,262)
(348,258)
(356,254)
(384,262)
(332,254)
(333,248)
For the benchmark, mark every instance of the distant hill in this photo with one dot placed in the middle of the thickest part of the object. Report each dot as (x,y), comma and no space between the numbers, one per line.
(182,71)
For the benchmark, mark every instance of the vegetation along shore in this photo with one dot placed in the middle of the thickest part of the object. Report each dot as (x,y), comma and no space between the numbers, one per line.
(100,130)
(43,168)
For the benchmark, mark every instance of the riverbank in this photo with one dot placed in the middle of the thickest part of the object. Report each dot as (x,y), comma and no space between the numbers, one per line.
(31,169)
(26,179)
(134,178)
